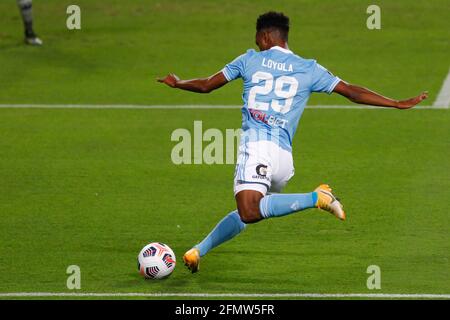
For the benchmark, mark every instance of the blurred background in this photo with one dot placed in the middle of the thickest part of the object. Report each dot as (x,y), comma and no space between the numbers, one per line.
(124,45)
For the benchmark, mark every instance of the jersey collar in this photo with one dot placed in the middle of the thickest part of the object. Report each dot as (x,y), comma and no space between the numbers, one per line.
(281,49)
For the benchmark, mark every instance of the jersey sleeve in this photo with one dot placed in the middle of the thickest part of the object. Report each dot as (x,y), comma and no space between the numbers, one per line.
(235,69)
(323,80)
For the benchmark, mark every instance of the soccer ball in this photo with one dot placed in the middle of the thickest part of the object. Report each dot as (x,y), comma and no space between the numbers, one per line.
(156,261)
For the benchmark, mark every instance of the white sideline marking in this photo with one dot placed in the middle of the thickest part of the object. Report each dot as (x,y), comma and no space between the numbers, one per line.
(135,106)
(443,98)
(230,295)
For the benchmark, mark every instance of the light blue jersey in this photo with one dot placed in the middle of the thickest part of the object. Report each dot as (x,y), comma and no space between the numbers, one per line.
(277,85)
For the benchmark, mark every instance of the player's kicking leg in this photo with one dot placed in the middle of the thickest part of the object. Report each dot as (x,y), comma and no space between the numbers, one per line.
(25,7)
(229,227)
(262,166)
(253,206)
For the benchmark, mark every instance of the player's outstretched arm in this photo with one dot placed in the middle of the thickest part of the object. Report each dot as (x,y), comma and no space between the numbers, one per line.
(362,95)
(202,85)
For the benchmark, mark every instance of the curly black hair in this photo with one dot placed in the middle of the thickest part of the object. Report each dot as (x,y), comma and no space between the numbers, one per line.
(276,20)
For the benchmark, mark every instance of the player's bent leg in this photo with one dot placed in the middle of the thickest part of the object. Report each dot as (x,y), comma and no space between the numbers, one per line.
(254,206)
(229,227)
(278,205)
(248,205)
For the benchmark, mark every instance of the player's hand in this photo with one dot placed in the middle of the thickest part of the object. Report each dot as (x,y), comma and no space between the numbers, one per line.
(171,80)
(409,103)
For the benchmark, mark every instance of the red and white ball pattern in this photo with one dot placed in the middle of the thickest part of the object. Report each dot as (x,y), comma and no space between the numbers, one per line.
(156,261)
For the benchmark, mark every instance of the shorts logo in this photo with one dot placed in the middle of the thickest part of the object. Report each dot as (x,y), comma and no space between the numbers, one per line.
(261,170)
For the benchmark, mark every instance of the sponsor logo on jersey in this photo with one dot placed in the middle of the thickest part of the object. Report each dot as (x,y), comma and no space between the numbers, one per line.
(265,118)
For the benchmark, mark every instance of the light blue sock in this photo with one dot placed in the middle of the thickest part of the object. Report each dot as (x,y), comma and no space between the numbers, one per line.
(278,205)
(226,229)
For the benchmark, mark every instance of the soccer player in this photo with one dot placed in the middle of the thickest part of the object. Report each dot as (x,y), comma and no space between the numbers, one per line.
(277,85)
(25,7)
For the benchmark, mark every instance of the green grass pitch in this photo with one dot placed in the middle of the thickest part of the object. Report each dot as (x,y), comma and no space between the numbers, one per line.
(92,187)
